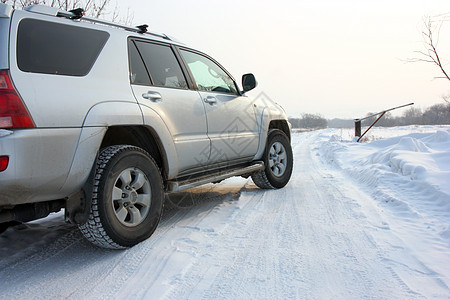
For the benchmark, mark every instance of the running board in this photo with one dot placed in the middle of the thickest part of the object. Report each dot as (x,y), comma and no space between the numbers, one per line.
(176,186)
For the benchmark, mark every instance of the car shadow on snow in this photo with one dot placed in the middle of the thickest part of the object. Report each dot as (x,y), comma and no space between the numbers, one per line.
(51,236)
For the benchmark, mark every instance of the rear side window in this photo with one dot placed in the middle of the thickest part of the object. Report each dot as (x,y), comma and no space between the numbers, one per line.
(162,65)
(52,48)
(138,72)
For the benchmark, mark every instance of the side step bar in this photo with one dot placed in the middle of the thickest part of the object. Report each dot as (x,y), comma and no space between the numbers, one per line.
(176,186)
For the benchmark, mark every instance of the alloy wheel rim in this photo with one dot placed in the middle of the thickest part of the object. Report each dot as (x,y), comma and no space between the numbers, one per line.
(131,197)
(277,159)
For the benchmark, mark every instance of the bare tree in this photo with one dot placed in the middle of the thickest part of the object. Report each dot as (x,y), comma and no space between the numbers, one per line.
(309,121)
(438,114)
(411,116)
(430,35)
(93,8)
(446,98)
(313,121)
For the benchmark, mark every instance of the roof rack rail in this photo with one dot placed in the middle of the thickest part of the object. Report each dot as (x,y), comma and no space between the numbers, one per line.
(78,14)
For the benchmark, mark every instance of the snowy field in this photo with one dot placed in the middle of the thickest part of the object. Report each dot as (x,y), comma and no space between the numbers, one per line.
(357,221)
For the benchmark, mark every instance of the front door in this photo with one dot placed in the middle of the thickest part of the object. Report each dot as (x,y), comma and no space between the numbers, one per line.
(231,118)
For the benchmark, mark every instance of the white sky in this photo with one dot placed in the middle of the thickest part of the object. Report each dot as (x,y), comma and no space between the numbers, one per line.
(336,58)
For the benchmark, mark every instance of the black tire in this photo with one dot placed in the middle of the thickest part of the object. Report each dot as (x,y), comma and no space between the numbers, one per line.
(127,198)
(278,162)
(4,226)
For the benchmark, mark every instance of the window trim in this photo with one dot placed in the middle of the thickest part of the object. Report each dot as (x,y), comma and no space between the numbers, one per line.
(179,49)
(134,40)
(131,43)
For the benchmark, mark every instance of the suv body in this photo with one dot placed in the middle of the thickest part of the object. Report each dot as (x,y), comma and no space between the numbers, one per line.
(80,99)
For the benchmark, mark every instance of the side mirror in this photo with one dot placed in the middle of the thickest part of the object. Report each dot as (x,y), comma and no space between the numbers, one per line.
(248,82)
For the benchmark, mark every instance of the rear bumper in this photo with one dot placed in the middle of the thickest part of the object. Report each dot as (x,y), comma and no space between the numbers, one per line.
(39,163)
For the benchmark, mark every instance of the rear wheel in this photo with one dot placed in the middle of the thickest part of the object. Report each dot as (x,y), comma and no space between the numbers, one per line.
(127,198)
(278,162)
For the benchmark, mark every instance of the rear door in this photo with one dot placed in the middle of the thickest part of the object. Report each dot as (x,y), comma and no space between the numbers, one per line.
(159,83)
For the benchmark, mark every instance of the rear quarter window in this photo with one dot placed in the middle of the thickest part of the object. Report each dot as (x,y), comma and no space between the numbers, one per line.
(53,48)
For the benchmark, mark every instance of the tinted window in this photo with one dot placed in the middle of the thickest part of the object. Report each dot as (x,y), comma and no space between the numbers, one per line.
(162,65)
(208,75)
(138,73)
(51,48)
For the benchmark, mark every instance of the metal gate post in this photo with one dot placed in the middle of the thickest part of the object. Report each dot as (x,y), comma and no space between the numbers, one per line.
(357,128)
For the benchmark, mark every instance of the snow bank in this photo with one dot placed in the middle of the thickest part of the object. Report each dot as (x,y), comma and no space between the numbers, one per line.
(420,157)
(408,174)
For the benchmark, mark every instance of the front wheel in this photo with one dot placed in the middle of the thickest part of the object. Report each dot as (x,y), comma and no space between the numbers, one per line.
(278,162)
(127,198)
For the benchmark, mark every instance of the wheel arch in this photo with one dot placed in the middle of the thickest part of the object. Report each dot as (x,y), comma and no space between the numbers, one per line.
(140,136)
(282,125)
(267,126)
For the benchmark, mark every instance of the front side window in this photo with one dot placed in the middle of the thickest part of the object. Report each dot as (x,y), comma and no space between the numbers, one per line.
(162,65)
(208,75)
(53,48)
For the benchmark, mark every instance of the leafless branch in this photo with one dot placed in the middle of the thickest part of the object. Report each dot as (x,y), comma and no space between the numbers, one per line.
(446,98)
(430,55)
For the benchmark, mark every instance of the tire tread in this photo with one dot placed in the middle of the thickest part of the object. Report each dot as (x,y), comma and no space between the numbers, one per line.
(261,179)
(93,229)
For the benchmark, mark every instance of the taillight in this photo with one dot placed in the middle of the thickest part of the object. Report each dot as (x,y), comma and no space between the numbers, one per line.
(4,160)
(13,113)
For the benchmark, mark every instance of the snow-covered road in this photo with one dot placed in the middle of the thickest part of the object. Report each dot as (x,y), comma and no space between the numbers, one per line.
(323,236)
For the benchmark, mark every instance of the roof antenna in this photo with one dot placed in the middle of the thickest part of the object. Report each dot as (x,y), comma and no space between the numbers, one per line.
(78,13)
(142,28)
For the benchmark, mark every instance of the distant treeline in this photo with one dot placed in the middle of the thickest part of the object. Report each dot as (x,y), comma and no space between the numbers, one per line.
(438,114)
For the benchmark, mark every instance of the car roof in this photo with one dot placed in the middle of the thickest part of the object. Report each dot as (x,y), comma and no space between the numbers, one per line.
(77,15)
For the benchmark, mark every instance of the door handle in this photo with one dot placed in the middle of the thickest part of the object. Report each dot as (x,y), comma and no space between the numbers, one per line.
(210,99)
(152,96)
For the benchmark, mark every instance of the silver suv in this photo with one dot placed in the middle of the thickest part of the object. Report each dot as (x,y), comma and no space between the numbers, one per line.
(104,120)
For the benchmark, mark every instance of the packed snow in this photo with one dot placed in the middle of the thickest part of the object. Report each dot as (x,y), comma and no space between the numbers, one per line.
(357,220)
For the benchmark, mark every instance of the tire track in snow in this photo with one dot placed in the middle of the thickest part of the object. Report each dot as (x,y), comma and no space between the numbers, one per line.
(160,252)
(71,256)
(233,274)
(308,240)
(356,268)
